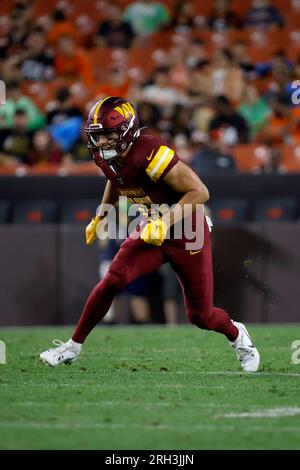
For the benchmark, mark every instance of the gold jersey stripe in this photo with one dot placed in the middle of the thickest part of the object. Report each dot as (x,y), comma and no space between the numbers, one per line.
(97,109)
(159,162)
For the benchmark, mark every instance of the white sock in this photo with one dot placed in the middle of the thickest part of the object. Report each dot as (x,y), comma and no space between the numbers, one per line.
(235,342)
(76,346)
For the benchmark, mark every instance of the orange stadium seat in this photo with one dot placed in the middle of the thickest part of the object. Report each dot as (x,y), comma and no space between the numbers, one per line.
(86,169)
(248,156)
(43,8)
(241,7)
(44,169)
(203,8)
(6,7)
(290,157)
(162,39)
(136,59)
(42,92)
(9,169)
(101,57)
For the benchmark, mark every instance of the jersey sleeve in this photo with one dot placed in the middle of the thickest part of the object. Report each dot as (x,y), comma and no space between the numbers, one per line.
(159,160)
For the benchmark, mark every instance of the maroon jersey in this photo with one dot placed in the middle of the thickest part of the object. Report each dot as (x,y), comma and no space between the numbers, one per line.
(140,177)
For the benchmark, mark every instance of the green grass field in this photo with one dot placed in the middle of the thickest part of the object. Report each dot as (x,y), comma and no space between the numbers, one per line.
(150,387)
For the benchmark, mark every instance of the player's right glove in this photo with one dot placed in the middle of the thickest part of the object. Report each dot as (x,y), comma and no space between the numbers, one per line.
(154,232)
(91,230)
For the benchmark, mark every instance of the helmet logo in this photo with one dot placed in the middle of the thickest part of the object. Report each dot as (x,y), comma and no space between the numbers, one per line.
(126,110)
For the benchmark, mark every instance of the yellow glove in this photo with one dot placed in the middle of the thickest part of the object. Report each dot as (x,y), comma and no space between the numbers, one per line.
(154,232)
(91,230)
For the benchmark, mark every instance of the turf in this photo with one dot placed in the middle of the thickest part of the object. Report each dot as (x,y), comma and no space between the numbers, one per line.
(150,387)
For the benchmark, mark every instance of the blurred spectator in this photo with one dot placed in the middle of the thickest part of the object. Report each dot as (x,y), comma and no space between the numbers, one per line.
(73,63)
(255,110)
(183,147)
(4,39)
(37,60)
(149,114)
(279,127)
(297,66)
(19,30)
(63,108)
(296,125)
(199,87)
(44,150)
(146,17)
(67,132)
(116,84)
(78,153)
(263,15)
(61,26)
(271,162)
(16,143)
(182,122)
(113,31)
(280,89)
(178,70)
(278,60)
(228,125)
(183,17)
(160,92)
(225,77)
(195,53)
(223,17)
(213,158)
(241,58)
(17,101)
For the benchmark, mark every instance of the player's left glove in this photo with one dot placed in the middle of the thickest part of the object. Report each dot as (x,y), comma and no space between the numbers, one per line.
(154,232)
(91,230)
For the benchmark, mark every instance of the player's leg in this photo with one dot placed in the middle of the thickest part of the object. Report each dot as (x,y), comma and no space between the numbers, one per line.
(134,258)
(195,274)
(194,271)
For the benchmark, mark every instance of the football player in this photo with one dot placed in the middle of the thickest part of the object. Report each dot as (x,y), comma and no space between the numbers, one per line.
(145,169)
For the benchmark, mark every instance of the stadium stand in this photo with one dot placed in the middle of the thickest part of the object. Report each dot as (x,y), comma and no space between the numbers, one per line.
(79,211)
(275,209)
(228,210)
(4,211)
(205,49)
(34,212)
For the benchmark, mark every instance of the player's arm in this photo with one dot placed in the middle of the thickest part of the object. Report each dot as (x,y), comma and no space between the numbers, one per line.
(110,196)
(182,179)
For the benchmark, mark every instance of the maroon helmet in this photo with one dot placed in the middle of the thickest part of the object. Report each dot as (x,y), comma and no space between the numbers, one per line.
(112,114)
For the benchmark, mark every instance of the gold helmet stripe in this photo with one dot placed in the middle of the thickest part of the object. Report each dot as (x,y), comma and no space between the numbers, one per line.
(98,107)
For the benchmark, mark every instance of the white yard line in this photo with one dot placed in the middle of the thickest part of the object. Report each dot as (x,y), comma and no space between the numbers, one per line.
(266,413)
(88,384)
(196,372)
(126,403)
(156,427)
(228,373)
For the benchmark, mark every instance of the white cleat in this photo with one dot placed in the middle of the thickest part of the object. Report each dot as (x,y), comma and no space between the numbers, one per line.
(65,353)
(246,352)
